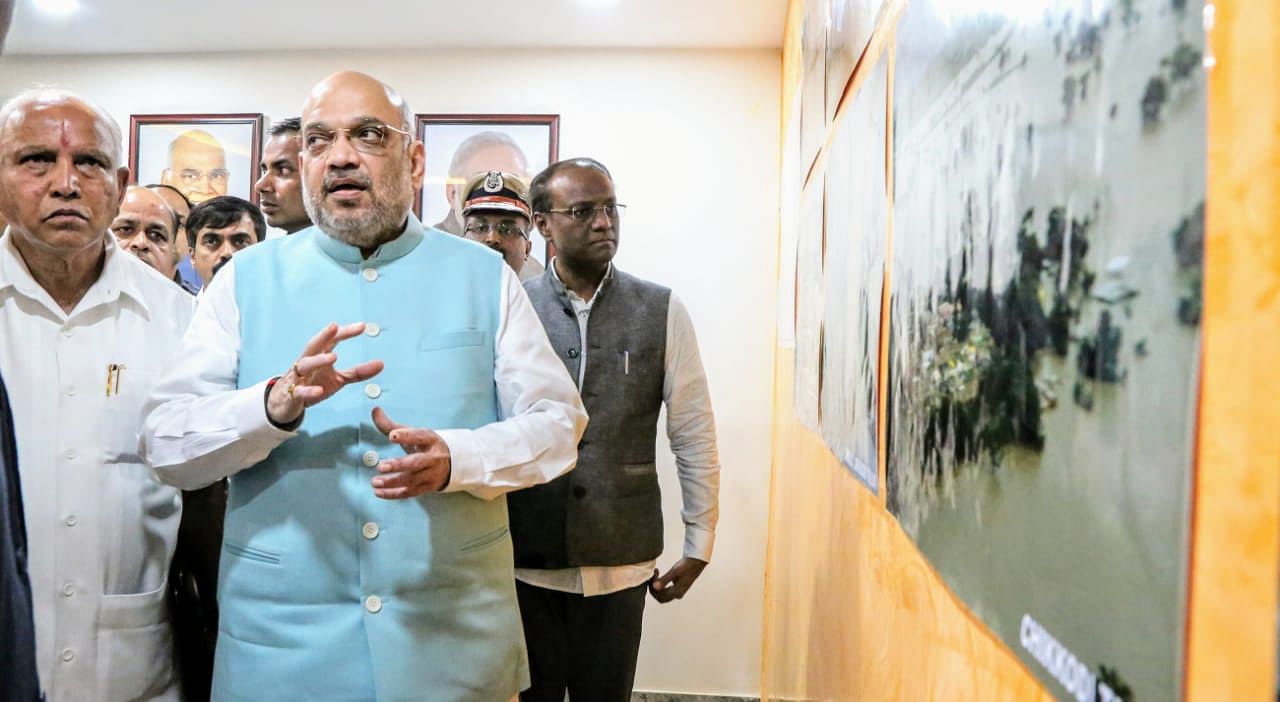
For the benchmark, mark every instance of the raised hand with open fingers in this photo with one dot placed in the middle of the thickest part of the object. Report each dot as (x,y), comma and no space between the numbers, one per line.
(313,379)
(426,467)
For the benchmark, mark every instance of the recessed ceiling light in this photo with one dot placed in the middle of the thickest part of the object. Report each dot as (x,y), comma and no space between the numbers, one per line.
(59,8)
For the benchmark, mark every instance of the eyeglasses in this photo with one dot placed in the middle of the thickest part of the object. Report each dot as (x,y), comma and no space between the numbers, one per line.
(191,176)
(586,214)
(368,138)
(506,230)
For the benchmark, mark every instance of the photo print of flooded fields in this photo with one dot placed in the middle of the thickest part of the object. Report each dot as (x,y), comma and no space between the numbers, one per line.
(856,229)
(1049,185)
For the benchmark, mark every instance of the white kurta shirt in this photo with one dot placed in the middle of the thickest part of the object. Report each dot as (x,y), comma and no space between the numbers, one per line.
(101,530)
(691,431)
(200,428)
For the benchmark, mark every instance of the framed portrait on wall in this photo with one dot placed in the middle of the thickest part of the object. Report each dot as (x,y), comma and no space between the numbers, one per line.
(460,145)
(203,155)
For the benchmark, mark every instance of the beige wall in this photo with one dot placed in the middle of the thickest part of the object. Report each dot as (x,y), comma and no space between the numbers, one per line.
(692,139)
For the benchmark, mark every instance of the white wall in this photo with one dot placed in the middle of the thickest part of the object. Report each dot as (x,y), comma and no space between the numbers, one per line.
(692,140)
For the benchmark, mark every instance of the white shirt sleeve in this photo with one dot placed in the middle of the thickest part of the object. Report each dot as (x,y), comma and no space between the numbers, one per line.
(198,427)
(540,415)
(691,430)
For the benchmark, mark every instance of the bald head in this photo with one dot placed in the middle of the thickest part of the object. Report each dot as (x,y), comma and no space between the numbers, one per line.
(353,85)
(139,196)
(29,102)
(197,166)
(147,228)
(60,182)
(361,165)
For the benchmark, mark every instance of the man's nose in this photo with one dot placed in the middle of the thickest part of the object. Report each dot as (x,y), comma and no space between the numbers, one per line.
(600,220)
(262,185)
(341,153)
(66,179)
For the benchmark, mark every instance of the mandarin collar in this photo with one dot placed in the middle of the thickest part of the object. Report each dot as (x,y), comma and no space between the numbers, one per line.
(342,251)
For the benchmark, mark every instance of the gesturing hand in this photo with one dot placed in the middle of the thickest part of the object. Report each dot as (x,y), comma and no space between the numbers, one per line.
(426,468)
(313,379)
(676,582)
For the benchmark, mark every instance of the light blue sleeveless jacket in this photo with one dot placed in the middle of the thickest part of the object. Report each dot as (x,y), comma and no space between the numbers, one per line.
(326,591)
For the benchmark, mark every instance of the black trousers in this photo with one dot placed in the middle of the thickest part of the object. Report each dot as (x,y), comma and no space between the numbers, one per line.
(584,645)
(193,587)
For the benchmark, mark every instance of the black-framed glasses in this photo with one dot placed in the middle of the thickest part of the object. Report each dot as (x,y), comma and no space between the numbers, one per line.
(368,138)
(506,230)
(585,214)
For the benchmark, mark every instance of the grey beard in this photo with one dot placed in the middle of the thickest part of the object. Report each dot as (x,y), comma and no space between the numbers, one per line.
(366,231)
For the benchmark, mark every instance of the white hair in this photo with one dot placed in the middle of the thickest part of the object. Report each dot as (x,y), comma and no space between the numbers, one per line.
(474,143)
(49,96)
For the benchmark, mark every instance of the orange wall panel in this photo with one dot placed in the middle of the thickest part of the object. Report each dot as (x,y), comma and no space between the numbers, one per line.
(1231,653)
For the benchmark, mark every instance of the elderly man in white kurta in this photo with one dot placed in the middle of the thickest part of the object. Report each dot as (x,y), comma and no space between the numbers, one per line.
(84,329)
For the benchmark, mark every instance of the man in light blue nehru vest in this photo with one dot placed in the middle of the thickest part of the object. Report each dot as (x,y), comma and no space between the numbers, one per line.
(366,553)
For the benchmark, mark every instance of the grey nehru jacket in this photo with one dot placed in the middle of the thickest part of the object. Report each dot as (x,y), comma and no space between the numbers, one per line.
(608,510)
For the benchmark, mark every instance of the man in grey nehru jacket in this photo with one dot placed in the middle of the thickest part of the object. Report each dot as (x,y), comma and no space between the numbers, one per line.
(587,543)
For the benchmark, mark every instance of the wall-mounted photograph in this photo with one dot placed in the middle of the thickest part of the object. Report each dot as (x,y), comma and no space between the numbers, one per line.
(202,155)
(460,145)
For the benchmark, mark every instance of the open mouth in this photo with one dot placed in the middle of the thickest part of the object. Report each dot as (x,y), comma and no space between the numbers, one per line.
(345,187)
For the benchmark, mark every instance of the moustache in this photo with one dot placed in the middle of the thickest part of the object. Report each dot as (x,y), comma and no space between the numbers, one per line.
(340,179)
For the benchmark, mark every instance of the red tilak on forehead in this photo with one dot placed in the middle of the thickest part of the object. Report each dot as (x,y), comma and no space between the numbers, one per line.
(65,134)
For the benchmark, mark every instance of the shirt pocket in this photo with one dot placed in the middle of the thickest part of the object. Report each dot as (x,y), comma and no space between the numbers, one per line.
(135,646)
(451,340)
(453,367)
(127,393)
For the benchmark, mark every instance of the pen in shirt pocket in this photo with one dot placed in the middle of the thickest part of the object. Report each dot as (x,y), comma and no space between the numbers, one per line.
(113,378)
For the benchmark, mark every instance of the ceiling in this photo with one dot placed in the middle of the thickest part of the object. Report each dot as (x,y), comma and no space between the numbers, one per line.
(183,26)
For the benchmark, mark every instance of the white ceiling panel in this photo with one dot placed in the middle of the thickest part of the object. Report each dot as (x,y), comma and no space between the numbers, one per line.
(182,26)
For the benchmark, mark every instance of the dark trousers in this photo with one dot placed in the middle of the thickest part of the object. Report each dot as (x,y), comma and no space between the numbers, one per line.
(193,587)
(585,645)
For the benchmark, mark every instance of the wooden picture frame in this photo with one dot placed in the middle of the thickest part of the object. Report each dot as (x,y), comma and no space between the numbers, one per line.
(202,155)
(536,138)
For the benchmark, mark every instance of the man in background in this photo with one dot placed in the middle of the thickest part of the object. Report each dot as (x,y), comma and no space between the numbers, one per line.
(147,228)
(497,214)
(182,207)
(197,166)
(220,227)
(84,329)
(481,153)
(280,185)
(586,544)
